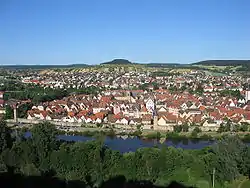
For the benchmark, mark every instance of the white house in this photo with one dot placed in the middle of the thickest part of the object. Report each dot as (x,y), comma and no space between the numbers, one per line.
(150,105)
(124,121)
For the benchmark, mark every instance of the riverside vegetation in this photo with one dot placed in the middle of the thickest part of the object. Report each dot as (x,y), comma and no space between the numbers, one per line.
(92,163)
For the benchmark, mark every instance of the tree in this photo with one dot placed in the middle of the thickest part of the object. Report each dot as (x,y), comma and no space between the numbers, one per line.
(185,127)
(44,142)
(30,170)
(177,128)
(5,136)
(229,153)
(244,127)
(22,110)
(9,114)
(197,129)
(195,132)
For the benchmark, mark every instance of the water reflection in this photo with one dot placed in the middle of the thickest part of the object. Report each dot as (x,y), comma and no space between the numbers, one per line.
(132,144)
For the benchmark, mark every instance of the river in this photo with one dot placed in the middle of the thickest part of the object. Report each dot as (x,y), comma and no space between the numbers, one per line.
(132,144)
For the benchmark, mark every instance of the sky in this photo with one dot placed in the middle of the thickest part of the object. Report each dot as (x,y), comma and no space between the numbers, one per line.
(144,31)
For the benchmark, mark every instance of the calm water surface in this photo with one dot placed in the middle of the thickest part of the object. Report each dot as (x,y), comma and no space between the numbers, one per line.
(132,144)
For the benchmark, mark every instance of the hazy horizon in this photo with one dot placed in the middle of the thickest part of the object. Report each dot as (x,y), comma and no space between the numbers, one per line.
(92,32)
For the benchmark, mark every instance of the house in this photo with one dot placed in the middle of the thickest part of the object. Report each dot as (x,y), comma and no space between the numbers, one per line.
(135,121)
(162,121)
(1,94)
(162,109)
(2,109)
(143,110)
(208,89)
(1,103)
(147,119)
(150,105)
(209,126)
(31,115)
(116,109)
(163,124)
(124,121)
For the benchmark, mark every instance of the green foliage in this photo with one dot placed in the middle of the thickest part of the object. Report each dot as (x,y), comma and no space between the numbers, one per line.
(43,141)
(230,162)
(5,136)
(231,93)
(155,135)
(94,163)
(181,128)
(194,134)
(9,113)
(244,127)
(246,184)
(22,110)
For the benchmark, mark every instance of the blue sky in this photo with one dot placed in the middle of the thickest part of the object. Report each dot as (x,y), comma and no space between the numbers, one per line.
(95,31)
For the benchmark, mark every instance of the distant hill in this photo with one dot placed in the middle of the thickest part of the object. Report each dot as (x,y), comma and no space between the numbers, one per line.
(118,62)
(224,62)
(158,65)
(43,66)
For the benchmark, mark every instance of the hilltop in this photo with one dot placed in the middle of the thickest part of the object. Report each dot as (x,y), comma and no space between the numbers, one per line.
(117,62)
(224,62)
(240,65)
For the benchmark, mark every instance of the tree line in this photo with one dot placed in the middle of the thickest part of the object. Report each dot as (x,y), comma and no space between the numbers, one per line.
(93,163)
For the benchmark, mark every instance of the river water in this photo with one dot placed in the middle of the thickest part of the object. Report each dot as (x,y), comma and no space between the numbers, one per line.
(132,144)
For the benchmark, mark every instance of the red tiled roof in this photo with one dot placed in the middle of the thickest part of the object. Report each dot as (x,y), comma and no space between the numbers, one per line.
(146,117)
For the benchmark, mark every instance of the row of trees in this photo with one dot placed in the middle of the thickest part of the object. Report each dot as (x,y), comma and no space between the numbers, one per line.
(93,163)
(39,94)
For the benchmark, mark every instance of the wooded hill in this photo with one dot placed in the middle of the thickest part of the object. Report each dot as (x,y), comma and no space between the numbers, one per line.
(224,62)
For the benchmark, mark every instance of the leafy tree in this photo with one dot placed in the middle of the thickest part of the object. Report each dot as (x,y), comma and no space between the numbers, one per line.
(185,128)
(30,170)
(177,128)
(5,136)
(197,129)
(229,154)
(244,127)
(44,142)
(22,110)
(9,114)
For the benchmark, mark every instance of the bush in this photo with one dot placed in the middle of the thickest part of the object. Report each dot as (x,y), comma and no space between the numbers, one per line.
(136,133)
(244,127)
(99,125)
(177,128)
(206,137)
(194,134)
(156,135)
(197,129)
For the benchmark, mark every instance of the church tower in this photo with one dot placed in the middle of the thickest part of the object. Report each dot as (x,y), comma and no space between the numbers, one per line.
(155,115)
(247,95)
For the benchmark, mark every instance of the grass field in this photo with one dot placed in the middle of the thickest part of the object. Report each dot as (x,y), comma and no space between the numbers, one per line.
(245,184)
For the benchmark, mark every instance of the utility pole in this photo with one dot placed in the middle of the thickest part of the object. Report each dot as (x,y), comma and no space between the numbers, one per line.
(213,176)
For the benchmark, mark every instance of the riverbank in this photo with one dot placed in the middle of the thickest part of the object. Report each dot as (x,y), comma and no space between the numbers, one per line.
(148,134)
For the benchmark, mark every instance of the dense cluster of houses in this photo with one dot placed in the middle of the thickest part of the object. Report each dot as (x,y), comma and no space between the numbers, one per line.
(2,106)
(134,78)
(158,109)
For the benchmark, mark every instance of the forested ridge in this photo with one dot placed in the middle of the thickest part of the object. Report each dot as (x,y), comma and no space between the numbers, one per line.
(224,62)
(94,165)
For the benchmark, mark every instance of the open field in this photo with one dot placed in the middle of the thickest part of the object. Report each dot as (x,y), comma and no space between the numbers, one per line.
(218,68)
(245,184)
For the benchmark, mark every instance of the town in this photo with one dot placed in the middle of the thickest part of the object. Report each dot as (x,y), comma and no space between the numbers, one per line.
(130,97)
